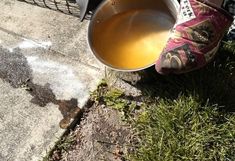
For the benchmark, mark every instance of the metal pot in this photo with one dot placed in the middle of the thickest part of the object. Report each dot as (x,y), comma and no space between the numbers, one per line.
(137,13)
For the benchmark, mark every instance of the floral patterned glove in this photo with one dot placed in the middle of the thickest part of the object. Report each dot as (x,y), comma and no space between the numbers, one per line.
(195,38)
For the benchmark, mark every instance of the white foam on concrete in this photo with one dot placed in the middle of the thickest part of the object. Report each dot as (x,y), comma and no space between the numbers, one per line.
(64,83)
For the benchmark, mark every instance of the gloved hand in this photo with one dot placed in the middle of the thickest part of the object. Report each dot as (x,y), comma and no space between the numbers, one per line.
(195,38)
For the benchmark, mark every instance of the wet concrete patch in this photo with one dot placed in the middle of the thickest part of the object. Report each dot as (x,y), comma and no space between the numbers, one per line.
(43,95)
(15,70)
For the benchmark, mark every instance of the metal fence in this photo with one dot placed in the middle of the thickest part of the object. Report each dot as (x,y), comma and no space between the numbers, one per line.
(64,6)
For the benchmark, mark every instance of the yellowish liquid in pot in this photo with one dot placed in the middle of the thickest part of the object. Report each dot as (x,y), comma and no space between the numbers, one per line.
(132,39)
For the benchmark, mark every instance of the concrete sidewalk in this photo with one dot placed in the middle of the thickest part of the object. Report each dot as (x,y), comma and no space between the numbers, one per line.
(46,74)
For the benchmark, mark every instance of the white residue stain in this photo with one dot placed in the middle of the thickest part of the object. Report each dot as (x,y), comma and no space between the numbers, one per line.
(10,49)
(64,83)
(27,44)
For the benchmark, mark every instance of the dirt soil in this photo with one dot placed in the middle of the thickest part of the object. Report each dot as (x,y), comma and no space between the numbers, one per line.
(100,136)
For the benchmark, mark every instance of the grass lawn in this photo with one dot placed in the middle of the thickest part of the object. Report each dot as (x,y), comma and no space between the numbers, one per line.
(184,117)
